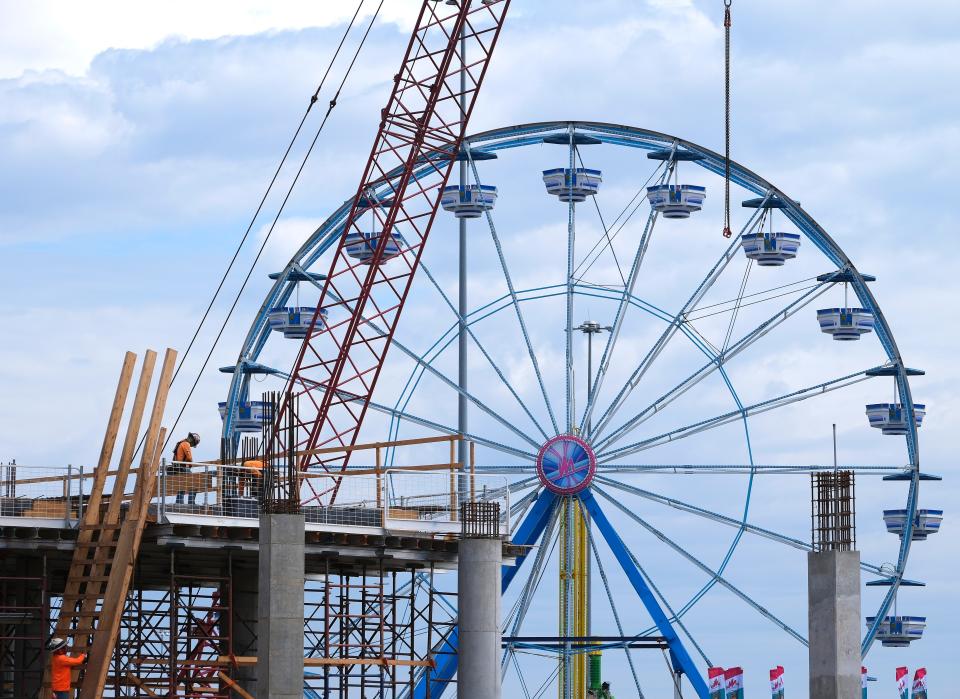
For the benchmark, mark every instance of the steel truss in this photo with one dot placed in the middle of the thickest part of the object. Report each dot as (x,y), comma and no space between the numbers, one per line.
(422,125)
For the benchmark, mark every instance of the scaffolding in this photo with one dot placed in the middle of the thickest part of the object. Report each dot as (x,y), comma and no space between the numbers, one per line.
(24,625)
(370,631)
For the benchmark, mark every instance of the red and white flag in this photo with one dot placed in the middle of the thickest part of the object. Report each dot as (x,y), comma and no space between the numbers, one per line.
(920,684)
(734,682)
(903,681)
(715,683)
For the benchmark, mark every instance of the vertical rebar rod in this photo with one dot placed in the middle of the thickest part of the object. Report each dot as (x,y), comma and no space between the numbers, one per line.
(462,347)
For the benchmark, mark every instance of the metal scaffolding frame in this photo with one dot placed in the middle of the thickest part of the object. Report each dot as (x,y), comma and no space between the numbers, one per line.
(24,626)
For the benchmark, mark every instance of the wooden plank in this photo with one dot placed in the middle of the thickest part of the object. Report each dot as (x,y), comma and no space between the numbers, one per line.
(141,685)
(356,447)
(111,518)
(446,466)
(55,479)
(249,660)
(110,438)
(98,663)
(234,686)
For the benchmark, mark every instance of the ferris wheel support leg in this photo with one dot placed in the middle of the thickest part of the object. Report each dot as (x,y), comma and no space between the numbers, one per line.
(445,653)
(684,661)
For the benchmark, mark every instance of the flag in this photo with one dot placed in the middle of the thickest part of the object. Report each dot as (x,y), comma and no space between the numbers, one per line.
(776,682)
(863,682)
(903,679)
(920,684)
(733,679)
(715,681)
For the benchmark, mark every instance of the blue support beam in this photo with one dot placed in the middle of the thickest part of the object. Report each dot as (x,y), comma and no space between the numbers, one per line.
(677,650)
(445,654)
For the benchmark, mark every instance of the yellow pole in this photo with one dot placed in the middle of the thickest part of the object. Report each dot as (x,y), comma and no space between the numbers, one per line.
(581,552)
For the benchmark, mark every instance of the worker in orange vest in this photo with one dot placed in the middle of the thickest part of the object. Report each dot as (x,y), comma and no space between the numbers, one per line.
(254,473)
(182,455)
(62,665)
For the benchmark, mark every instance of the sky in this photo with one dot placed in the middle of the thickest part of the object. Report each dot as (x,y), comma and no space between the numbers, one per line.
(137,139)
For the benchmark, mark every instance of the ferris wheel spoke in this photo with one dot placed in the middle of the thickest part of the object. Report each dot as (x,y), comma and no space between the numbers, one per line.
(428,366)
(514,620)
(705,285)
(622,306)
(734,469)
(763,611)
(723,519)
(518,510)
(643,584)
(715,364)
(514,300)
(446,429)
(397,414)
(739,414)
(483,350)
(613,608)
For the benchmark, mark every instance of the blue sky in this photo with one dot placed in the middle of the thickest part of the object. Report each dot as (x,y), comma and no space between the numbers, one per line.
(134,151)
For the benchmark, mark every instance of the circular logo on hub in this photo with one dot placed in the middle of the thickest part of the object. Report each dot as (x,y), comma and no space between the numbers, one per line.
(566,464)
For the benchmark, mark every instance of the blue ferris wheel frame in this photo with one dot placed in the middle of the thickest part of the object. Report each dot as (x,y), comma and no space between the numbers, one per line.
(625,136)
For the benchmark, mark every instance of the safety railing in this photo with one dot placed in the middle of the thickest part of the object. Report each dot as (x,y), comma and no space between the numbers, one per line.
(422,501)
(401,499)
(425,498)
(52,493)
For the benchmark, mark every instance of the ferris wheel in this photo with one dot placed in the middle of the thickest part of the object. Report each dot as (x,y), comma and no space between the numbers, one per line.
(655,393)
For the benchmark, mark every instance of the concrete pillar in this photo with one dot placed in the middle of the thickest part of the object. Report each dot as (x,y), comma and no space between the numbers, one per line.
(833,585)
(478,587)
(280,618)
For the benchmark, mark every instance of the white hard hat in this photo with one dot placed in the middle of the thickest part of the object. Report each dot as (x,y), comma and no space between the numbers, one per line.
(56,643)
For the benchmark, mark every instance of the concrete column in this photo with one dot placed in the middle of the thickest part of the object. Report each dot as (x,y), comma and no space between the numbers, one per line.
(478,574)
(280,622)
(833,580)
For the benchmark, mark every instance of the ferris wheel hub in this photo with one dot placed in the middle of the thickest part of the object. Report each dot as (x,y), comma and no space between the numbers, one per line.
(566,464)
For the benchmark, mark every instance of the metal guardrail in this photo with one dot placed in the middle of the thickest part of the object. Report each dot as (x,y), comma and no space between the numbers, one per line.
(399,498)
(423,498)
(42,492)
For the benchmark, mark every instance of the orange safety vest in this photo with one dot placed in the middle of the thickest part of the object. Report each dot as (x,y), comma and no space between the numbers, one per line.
(60,671)
(183,452)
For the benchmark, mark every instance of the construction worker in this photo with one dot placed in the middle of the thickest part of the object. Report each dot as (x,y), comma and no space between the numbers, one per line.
(183,455)
(62,665)
(605,691)
(253,477)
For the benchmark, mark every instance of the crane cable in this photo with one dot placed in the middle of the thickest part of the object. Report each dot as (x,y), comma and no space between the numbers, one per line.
(273,180)
(726,110)
(266,239)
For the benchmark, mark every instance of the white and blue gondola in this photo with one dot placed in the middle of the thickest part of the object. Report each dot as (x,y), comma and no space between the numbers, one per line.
(249,416)
(925,523)
(845,323)
(898,631)
(363,246)
(470,201)
(294,322)
(572,185)
(889,418)
(676,200)
(770,249)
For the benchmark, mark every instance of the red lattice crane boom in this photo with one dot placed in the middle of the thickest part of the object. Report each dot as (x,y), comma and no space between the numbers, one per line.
(420,133)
